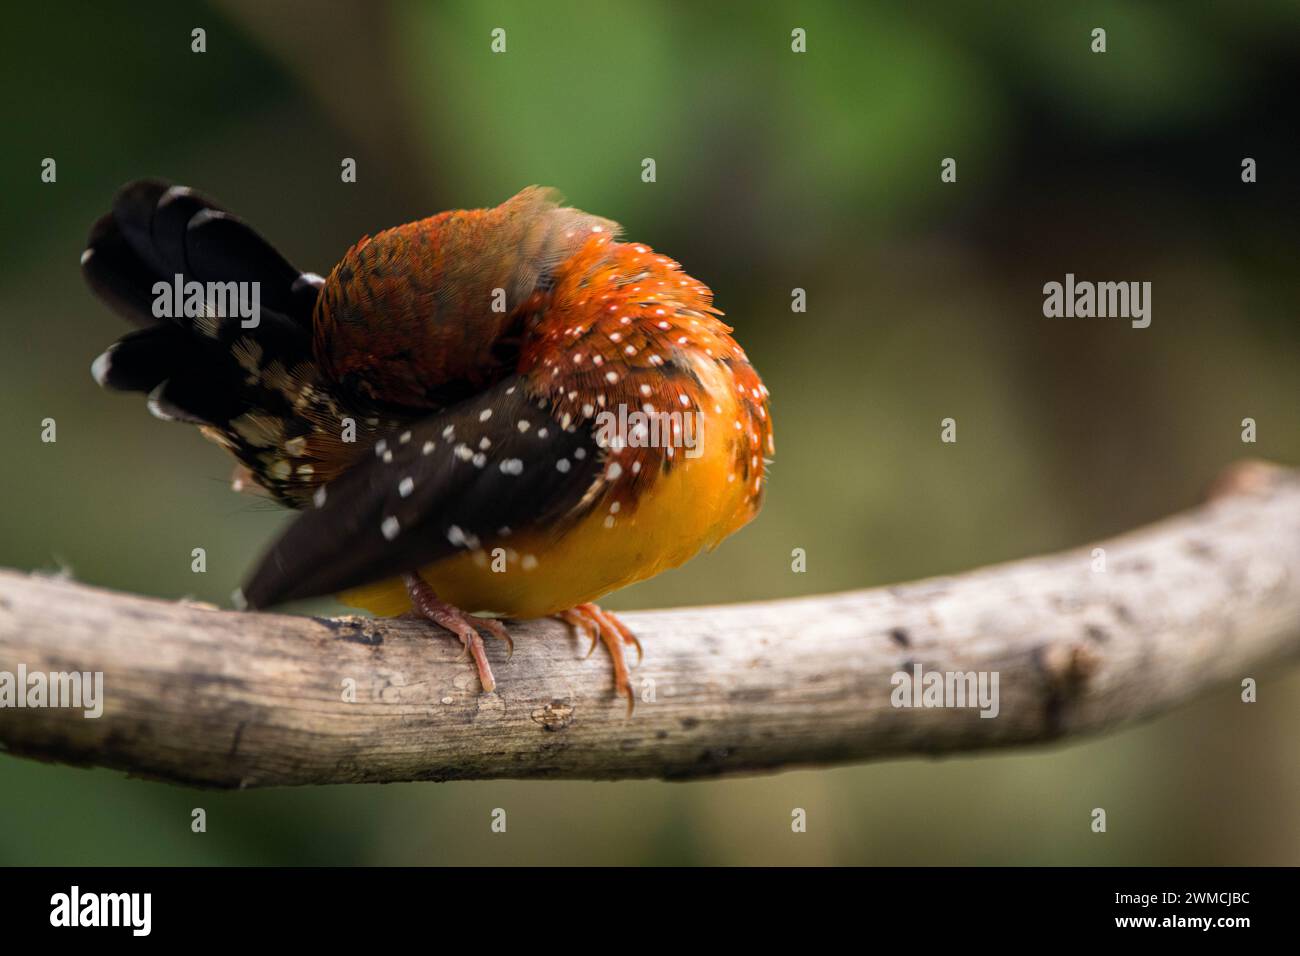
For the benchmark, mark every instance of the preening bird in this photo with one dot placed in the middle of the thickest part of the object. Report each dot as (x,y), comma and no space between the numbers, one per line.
(485,414)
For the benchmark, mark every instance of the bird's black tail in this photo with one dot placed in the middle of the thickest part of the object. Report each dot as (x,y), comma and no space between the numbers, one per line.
(225,337)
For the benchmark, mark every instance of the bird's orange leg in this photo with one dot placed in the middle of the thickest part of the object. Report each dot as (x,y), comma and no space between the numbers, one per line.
(427,605)
(613,633)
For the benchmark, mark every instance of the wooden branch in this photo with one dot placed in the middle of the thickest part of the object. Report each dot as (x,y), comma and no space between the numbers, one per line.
(227,699)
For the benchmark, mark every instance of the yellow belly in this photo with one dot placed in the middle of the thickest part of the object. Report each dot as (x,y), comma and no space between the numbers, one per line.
(693,507)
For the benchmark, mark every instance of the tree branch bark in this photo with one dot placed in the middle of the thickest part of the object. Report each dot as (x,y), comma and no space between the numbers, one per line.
(225,699)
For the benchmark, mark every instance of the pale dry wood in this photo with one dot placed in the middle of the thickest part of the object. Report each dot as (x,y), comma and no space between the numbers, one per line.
(226,699)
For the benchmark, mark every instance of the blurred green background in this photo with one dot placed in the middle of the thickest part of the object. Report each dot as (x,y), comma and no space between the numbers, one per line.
(775,171)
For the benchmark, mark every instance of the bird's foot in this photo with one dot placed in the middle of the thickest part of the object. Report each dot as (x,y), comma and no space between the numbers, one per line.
(427,605)
(605,627)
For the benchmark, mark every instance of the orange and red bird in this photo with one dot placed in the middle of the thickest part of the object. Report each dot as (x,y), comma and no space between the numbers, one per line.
(485,414)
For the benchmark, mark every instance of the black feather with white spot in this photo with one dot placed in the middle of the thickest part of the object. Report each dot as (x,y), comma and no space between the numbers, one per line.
(458,480)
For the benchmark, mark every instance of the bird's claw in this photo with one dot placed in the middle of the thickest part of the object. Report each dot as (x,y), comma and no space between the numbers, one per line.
(604,627)
(426,604)
(500,633)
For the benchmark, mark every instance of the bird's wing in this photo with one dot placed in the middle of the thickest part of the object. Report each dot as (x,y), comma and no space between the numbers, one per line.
(451,482)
